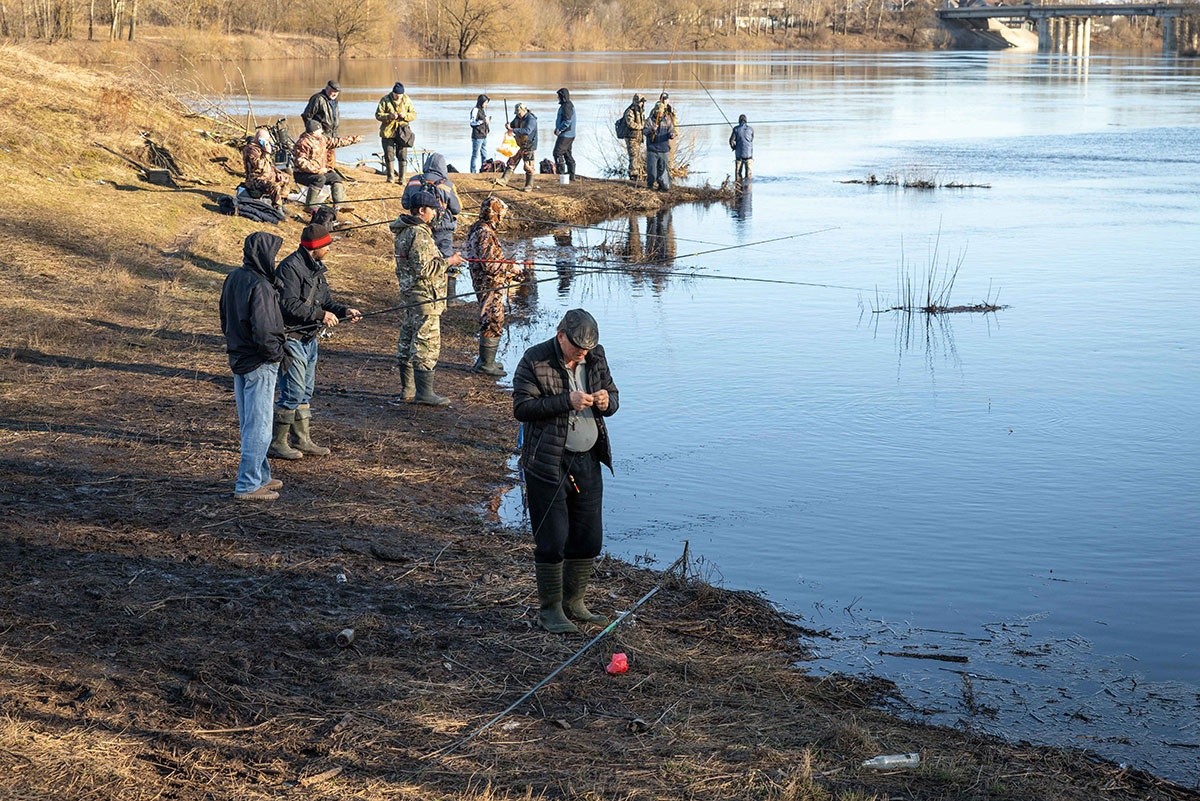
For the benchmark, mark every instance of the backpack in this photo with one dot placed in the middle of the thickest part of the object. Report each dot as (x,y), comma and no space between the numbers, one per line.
(622,128)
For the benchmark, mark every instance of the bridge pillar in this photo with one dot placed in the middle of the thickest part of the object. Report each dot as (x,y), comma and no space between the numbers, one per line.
(1072,36)
(1085,37)
(1043,32)
(1168,26)
(1055,35)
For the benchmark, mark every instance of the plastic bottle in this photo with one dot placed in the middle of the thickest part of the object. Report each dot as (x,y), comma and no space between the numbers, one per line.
(889,761)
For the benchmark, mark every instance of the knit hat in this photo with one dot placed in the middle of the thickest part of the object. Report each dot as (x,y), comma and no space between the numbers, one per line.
(397,88)
(334,85)
(315,236)
(423,200)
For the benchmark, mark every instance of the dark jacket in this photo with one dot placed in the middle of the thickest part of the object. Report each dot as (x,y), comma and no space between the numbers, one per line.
(658,137)
(741,141)
(304,294)
(525,131)
(542,401)
(564,125)
(321,109)
(445,223)
(250,317)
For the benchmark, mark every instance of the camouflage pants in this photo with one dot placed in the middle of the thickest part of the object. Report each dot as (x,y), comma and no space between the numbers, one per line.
(274,191)
(637,165)
(420,340)
(525,158)
(491,304)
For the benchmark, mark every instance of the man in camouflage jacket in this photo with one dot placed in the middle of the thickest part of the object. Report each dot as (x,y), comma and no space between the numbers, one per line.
(314,168)
(491,272)
(262,178)
(421,273)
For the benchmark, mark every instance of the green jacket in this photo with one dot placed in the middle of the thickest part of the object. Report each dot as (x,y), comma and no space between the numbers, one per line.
(387,107)
(420,266)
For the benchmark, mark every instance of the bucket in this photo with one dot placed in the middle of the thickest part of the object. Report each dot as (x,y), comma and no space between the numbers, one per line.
(564,178)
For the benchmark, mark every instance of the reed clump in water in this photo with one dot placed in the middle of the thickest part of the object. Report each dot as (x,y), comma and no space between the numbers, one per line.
(915,179)
(927,288)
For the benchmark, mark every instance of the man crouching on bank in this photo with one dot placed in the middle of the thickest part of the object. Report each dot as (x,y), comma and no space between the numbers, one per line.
(562,391)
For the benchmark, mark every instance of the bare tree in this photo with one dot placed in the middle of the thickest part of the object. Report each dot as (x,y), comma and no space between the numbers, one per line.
(349,22)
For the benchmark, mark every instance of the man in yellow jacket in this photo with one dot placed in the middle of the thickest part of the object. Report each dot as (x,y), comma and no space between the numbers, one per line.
(394,112)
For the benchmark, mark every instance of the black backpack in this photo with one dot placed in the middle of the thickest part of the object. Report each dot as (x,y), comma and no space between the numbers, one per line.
(622,128)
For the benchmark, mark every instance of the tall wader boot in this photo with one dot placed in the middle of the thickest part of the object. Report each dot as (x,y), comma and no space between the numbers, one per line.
(408,384)
(576,575)
(280,448)
(452,298)
(387,165)
(425,393)
(528,187)
(310,199)
(338,191)
(486,363)
(304,442)
(550,599)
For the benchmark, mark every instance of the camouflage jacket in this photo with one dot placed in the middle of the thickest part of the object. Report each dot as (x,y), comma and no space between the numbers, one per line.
(402,108)
(314,153)
(420,266)
(258,163)
(635,118)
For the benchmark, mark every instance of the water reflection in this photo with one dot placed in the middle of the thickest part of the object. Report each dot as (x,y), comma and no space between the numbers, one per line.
(742,208)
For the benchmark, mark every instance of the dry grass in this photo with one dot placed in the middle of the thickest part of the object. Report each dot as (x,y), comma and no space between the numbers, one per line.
(158,640)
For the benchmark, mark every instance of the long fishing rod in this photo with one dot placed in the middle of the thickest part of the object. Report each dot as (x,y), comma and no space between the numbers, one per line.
(681,563)
(765,122)
(710,97)
(636,266)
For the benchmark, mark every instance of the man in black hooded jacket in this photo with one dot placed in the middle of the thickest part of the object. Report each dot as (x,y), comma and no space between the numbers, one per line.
(562,392)
(564,129)
(253,328)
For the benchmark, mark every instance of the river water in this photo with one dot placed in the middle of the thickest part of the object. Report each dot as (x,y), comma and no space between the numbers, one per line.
(1018,489)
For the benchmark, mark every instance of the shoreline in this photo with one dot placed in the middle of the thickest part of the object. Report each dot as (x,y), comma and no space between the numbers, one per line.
(161,640)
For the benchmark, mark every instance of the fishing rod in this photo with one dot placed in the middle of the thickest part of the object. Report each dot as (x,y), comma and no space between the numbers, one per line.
(696,75)
(765,122)
(636,266)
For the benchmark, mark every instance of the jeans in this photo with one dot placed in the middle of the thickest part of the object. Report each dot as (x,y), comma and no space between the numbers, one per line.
(296,384)
(255,396)
(567,515)
(658,169)
(479,153)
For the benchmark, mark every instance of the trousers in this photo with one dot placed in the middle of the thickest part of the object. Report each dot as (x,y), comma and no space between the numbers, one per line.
(567,515)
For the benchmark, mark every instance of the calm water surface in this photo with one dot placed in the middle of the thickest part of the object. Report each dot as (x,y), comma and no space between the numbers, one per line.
(1018,488)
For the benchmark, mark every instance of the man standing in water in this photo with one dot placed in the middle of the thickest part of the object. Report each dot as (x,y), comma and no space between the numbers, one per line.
(741,141)
(562,391)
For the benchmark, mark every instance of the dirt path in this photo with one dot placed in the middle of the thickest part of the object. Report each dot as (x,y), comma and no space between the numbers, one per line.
(158,640)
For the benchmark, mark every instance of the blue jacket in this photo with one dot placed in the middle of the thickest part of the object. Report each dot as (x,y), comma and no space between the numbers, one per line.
(528,129)
(444,224)
(658,138)
(564,123)
(742,141)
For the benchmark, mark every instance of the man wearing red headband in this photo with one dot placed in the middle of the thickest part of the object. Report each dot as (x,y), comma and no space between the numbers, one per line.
(307,309)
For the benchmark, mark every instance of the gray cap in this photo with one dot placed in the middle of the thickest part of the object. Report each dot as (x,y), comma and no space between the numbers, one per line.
(333,86)
(580,327)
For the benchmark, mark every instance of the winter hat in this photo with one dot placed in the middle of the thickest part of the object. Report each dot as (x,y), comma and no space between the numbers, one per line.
(397,88)
(423,200)
(315,236)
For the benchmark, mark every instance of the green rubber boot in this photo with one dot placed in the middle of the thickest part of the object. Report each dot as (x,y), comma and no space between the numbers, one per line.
(408,384)
(280,447)
(425,393)
(304,442)
(550,597)
(576,575)
(486,363)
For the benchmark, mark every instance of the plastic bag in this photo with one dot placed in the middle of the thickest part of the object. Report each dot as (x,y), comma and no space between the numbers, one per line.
(508,148)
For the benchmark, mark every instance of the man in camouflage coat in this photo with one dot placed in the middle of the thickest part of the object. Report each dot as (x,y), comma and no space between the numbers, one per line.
(315,168)
(261,176)
(490,274)
(421,273)
(635,120)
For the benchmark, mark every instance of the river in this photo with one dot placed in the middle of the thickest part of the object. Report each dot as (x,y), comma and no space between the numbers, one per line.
(1017,488)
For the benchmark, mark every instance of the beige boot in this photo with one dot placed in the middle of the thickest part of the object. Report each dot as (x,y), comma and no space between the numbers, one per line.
(304,442)
(280,447)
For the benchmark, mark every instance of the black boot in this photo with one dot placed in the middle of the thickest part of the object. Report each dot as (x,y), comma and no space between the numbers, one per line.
(550,597)
(425,393)
(576,575)
(280,447)
(486,363)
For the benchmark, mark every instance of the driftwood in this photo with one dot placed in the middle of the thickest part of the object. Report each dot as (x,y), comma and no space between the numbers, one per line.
(918,655)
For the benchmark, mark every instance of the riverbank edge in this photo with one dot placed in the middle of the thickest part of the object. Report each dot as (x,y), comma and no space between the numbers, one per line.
(152,621)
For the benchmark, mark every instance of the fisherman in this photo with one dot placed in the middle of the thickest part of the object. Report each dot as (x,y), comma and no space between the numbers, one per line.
(263,179)
(394,112)
(315,167)
(658,132)
(480,127)
(253,329)
(741,141)
(322,110)
(564,129)
(490,274)
(523,127)
(421,272)
(435,179)
(635,121)
(307,310)
(562,391)
(662,105)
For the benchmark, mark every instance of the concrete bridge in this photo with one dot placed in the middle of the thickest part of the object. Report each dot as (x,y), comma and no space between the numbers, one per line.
(1067,28)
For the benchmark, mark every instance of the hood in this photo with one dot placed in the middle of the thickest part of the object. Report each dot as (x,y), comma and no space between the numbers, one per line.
(404,222)
(258,254)
(491,211)
(564,95)
(435,167)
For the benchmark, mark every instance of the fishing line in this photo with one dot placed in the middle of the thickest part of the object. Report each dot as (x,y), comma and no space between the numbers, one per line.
(710,97)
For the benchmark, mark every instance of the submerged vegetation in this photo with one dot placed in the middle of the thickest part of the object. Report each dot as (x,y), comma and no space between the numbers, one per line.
(926,289)
(914,179)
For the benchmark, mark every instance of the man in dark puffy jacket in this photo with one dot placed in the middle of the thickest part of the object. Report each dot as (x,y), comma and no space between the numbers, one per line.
(564,129)
(322,110)
(253,329)
(741,142)
(307,308)
(562,391)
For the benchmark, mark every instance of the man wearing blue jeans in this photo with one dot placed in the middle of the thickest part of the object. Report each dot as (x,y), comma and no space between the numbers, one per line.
(253,328)
(307,308)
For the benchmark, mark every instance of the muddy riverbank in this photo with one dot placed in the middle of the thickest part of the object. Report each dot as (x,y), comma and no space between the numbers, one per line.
(158,640)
